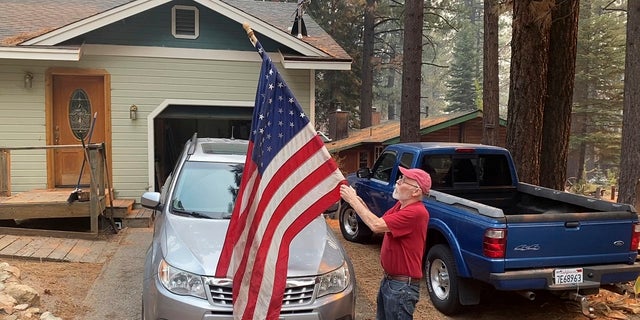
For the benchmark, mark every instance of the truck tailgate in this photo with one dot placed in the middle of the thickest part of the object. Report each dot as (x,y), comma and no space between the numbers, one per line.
(569,239)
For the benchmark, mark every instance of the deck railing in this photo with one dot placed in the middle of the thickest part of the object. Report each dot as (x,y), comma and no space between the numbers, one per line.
(96,167)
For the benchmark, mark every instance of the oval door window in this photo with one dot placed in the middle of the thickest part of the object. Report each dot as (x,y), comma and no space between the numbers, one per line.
(79,114)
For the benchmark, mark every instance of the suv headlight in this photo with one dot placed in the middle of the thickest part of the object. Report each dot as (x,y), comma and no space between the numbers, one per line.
(180,282)
(334,281)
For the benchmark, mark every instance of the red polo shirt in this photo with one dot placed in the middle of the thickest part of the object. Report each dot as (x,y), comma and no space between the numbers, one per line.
(403,246)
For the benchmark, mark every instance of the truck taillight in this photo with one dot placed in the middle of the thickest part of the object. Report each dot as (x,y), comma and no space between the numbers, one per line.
(635,237)
(494,243)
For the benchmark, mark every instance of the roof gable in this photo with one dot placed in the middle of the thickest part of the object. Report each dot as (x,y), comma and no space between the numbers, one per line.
(51,24)
(153,28)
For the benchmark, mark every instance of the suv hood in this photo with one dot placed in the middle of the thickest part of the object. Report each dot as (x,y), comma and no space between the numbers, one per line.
(194,245)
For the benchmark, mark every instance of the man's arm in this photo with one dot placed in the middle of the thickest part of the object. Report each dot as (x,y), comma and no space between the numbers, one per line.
(372,221)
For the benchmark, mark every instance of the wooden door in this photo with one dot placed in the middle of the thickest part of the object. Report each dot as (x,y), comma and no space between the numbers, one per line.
(76,98)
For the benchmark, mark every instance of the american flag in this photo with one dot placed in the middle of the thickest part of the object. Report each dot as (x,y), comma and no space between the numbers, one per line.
(289,179)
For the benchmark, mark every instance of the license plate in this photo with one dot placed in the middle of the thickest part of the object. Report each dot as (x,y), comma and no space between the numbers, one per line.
(568,276)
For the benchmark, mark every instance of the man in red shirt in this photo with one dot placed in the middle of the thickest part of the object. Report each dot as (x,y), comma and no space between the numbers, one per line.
(405,233)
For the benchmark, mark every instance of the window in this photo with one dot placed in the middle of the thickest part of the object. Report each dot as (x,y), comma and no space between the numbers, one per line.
(377,151)
(363,159)
(185,22)
(383,167)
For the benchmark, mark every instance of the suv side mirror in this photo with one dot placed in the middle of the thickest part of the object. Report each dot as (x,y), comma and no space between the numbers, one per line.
(363,173)
(151,200)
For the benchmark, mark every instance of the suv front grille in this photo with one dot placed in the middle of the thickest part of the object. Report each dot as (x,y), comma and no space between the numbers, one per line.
(297,293)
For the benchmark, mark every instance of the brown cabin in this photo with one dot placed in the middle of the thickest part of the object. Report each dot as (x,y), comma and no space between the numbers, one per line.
(361,147)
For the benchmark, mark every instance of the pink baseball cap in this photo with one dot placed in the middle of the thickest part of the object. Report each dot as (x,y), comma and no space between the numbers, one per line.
(420,176)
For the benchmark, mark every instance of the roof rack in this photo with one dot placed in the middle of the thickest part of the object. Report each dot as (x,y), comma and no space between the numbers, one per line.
(192,144)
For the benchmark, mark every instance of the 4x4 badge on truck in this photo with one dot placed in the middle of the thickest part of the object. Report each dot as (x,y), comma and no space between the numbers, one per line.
(527,247)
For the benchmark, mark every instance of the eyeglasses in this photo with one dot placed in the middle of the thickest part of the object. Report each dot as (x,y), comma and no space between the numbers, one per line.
(401,181)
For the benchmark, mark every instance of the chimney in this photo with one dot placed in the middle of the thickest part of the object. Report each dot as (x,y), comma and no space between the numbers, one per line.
(338,125)
(375,117)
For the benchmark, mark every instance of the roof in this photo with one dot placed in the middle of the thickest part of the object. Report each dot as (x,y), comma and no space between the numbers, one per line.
(389,132)
(47,23)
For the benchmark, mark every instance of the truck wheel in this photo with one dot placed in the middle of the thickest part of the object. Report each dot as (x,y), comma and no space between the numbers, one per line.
(351,227)
(442,280)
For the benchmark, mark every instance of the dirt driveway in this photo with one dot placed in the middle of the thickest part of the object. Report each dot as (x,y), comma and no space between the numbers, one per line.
(64,286)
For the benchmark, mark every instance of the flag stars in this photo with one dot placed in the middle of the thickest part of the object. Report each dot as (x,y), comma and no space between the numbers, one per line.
(291,100)
(302,115)
(270,86)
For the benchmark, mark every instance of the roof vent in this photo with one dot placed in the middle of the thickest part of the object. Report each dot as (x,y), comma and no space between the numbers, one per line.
(185,22)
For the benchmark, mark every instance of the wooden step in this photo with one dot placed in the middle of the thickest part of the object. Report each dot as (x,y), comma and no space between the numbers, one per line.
(121,208)
(139,218)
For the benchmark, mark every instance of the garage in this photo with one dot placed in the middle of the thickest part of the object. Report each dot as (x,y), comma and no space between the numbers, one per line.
(177,123)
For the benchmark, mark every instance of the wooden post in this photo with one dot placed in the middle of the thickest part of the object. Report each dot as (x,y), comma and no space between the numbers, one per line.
(5,173)
(94,186)
(613,192)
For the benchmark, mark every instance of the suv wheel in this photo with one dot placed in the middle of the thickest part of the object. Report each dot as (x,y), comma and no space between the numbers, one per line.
(352,228)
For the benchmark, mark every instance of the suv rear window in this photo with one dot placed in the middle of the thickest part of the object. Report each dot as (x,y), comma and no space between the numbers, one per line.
(207,188)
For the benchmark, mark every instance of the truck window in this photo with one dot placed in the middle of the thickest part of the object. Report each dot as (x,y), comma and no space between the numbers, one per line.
(478,170)
(494,171)
(383,167)
(438,168)
(406,160)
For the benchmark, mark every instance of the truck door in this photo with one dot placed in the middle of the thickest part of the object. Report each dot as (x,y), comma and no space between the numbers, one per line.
(376,191)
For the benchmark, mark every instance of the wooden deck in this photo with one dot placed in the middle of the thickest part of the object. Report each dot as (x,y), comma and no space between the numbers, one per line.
(51,204)
(57,249)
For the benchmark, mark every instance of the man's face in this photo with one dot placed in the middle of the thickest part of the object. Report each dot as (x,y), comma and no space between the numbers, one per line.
(404,189)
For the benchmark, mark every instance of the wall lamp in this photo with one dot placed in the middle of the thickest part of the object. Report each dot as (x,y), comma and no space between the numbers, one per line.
(133,112)
(28,80)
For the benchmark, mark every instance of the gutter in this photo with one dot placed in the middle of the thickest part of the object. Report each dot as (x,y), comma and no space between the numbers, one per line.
(40,53)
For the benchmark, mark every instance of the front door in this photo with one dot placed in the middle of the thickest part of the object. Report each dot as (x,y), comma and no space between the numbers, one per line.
(76,98)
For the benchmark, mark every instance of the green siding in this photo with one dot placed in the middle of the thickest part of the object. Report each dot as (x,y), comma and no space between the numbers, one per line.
(153,28)
(145,82)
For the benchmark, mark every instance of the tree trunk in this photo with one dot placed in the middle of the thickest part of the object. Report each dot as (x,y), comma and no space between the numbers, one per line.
(411,71)
(560,82)
(366,89)
(630,153)
(490,86)
(527,89)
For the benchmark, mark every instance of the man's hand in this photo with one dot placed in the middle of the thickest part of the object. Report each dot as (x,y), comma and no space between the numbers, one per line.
(349,195)
(374,223)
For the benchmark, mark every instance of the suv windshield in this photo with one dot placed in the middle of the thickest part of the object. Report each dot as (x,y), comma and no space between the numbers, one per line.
(207,189)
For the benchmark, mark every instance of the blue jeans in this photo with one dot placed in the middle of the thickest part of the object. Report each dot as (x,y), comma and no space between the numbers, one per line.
(396,300)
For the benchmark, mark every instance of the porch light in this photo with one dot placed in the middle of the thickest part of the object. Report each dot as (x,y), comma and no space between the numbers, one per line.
(28,80)
(133,112)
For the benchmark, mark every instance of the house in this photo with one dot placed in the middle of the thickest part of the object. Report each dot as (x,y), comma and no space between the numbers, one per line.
(362,147)
(152,71)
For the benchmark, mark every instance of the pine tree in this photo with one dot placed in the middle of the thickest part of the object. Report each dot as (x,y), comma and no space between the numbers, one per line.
(462,92)
(598,96)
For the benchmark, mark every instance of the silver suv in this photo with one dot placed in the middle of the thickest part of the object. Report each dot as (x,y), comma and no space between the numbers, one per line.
(193,211)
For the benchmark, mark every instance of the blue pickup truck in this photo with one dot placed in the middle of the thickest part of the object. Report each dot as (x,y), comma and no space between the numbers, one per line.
(488,230)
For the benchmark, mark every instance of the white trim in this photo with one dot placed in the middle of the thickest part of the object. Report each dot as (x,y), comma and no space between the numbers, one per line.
(163,52)
(52,54)
(164,105)
(205,54)
(312,98)
(94,22)
(316,65)
(196,22)
(118,13)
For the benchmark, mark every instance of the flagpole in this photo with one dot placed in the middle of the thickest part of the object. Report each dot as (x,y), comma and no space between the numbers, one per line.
(249,31)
